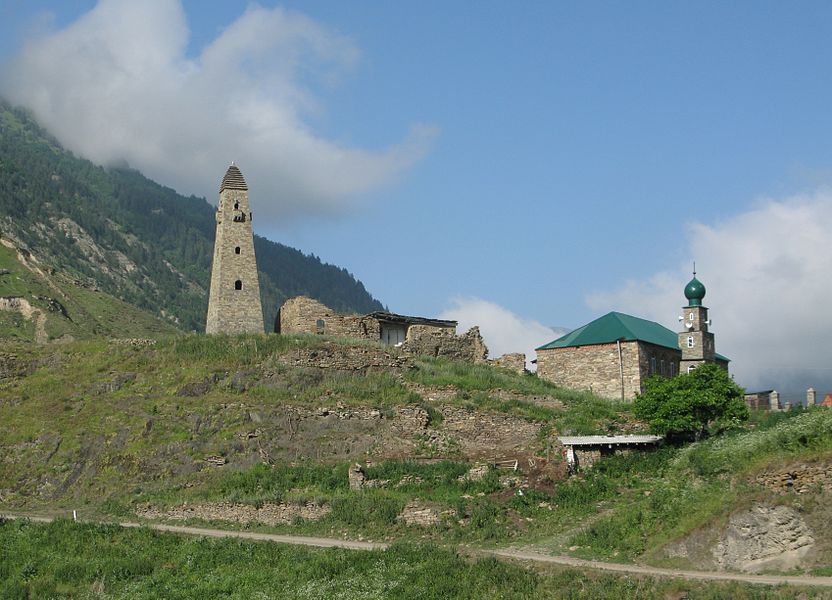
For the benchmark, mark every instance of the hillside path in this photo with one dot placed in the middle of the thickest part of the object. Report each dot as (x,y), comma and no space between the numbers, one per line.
(509,553)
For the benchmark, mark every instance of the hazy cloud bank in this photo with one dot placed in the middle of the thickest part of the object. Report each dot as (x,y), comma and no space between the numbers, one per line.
(768,274)
(502,330)
(117,85)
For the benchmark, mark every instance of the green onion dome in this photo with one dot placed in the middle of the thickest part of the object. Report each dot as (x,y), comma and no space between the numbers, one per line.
(694,292)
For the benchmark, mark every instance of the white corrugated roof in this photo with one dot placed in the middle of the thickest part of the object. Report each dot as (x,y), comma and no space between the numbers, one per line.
(597,440)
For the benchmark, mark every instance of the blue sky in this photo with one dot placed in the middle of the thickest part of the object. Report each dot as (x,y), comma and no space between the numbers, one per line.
(551,160)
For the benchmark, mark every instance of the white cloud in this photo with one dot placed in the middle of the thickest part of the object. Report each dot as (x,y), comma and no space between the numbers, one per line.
(502,330)
(768,274)
(117,85)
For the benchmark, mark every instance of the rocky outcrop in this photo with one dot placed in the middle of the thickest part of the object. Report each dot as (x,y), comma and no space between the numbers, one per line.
(764,538)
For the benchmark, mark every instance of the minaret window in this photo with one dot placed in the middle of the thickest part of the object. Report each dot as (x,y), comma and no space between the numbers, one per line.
(690,341)
(690,317)
(238,285)
(237,250)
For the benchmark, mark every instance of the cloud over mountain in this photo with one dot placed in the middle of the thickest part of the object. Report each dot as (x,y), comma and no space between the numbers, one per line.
(117,85)
(768,274)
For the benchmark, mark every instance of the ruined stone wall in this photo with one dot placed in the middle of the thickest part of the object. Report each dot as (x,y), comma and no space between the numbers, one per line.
(305,315)
(515,361)
(594,368)
(443,342)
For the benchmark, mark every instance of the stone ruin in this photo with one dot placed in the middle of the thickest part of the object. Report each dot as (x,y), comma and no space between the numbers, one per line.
(413,335)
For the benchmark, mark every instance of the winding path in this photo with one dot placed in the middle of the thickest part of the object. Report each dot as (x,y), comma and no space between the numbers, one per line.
(509,553)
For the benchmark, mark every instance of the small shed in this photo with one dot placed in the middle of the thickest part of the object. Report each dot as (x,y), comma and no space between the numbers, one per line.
(582,451)
(393,328)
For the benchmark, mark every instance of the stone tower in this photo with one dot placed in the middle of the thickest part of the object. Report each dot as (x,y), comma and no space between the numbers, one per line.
(234,301)
(696,342)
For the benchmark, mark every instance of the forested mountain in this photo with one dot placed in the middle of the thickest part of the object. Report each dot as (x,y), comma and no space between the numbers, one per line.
(115,230)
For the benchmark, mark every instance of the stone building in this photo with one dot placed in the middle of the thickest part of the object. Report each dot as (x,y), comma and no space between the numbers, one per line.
(759,400)
(417,335)
(234,300)
(613,355)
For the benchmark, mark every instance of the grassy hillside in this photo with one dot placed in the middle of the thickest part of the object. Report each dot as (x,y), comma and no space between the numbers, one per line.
(117,231)
(260,432)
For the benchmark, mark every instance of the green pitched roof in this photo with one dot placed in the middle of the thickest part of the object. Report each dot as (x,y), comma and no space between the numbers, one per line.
(618,326)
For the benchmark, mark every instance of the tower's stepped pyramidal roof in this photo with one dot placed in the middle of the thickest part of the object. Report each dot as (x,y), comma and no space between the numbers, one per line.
(233,179)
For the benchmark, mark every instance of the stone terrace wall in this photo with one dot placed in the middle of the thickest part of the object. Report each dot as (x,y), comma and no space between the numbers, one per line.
(302,315)
(593,368)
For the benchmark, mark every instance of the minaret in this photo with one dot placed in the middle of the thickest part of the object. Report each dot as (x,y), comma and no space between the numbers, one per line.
(234,301)
(696,342)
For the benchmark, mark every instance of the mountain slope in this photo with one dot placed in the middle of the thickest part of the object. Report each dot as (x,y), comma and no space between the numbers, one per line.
(126,235)
(41,305)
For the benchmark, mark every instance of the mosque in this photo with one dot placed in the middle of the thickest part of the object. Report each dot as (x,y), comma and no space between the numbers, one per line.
(613,355)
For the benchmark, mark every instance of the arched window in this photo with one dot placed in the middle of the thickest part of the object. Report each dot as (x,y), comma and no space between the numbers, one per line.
(238,285)
(237,250)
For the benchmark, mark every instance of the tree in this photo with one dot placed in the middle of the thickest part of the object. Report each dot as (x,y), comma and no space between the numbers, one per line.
(692,403)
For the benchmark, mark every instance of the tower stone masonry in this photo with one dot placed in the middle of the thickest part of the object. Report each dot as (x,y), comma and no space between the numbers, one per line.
(695,342)
(234,300)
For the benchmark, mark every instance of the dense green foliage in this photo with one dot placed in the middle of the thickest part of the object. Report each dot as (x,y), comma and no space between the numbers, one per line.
(129,218)
(63,559)
(691,403)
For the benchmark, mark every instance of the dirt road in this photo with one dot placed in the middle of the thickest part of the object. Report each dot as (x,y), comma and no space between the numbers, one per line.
(520,555)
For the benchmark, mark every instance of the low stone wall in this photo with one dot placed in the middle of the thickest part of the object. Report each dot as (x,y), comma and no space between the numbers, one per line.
(267,514)
(799,479)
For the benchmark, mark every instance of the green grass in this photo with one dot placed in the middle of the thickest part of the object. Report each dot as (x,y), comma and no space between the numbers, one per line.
(63,559)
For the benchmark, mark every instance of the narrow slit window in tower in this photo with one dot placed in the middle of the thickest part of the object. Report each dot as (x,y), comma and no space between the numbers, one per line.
(238,285)
(237,250)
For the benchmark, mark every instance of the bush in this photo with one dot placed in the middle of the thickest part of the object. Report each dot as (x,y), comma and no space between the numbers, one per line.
(692,403)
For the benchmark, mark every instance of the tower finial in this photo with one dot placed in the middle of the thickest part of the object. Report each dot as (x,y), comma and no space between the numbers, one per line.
(694,262)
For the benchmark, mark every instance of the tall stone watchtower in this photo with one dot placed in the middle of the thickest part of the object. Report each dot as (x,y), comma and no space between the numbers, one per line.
(234,301)
(696,342)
